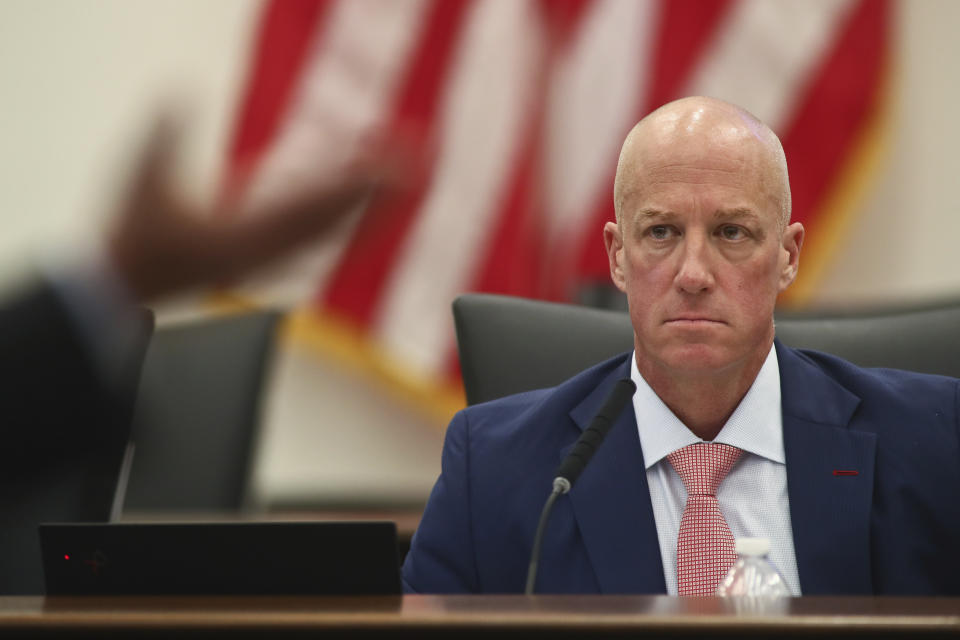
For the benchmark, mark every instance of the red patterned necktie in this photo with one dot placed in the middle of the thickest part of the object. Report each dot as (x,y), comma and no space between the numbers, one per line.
(705,545)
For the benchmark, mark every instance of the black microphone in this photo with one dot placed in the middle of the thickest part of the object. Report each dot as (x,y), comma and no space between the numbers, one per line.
(573,465)
(575,462)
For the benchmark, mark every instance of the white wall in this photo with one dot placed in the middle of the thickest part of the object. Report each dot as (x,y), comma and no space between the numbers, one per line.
(79,80)
(905,246)
(79,84)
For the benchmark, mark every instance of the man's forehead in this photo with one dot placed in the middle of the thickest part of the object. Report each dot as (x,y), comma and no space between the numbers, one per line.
(678,179)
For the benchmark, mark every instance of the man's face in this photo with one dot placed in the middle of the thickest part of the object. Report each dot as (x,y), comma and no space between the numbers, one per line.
(700,254)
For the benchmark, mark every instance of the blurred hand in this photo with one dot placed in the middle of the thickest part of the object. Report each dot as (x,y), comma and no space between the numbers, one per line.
(162,244)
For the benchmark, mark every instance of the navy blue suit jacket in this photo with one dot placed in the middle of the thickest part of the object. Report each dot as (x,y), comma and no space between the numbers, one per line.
(893,528)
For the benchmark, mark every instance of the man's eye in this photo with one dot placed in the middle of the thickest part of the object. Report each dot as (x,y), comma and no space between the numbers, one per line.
(731,232)
(660,232)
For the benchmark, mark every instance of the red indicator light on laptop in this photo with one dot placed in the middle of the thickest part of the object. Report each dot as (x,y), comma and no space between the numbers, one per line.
(66,556)
(845,472)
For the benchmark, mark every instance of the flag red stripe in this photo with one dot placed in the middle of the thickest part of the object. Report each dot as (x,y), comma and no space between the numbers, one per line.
(685,28)
(512,262)
(356,284)
(288,29)
(562,17)
(834,108)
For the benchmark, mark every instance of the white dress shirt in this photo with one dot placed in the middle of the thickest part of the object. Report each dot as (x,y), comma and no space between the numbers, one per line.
(753,497)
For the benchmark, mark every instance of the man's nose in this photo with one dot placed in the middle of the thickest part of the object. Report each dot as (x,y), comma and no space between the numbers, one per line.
(695,272)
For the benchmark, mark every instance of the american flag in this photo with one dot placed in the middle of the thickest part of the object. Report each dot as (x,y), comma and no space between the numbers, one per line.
(526,103)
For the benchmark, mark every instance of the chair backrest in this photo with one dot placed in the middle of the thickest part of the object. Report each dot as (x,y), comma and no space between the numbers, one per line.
(508,345)
(197,414)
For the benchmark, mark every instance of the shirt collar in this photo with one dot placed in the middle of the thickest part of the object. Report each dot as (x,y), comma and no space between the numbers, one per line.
(756,425)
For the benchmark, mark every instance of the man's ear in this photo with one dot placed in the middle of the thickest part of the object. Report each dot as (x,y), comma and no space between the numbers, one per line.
(792,242)
(613,241)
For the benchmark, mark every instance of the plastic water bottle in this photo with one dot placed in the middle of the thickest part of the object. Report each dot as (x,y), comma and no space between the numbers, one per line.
(752,574)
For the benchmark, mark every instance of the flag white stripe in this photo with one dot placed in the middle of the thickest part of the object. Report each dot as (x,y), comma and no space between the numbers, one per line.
(346,89)
(484,114)
(762,56)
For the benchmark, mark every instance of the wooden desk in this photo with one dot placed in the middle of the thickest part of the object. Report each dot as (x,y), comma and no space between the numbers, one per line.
(475,616)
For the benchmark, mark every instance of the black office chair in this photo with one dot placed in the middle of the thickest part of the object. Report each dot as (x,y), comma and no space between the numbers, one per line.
(508,345)
(197,414)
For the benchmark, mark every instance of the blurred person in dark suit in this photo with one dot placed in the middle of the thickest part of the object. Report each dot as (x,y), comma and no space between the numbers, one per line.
(71,345)
(851,473)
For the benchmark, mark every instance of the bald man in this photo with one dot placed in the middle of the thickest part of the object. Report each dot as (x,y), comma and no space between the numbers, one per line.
(852,474)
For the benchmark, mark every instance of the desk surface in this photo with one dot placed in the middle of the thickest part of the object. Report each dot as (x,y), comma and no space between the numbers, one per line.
(483,615)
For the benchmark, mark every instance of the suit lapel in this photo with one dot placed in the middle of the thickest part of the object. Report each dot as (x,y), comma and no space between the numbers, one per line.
(611,502)
(830,471)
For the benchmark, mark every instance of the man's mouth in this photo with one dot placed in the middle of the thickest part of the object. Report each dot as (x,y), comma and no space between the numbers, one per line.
(694,321)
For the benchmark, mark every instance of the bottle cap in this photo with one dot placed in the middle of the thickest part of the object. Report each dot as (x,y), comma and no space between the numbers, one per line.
(752,546)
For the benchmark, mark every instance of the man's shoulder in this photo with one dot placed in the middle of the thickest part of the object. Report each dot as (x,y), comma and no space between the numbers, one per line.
(884,386)
(844,370)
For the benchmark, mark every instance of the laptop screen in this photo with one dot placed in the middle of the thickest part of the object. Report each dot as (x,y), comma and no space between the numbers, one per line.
(220,558)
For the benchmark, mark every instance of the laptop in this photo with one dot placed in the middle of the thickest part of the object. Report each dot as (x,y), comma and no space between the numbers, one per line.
(221,558)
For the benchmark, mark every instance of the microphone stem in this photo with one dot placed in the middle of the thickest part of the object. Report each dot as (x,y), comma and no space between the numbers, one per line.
(572,466)
(538,539)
